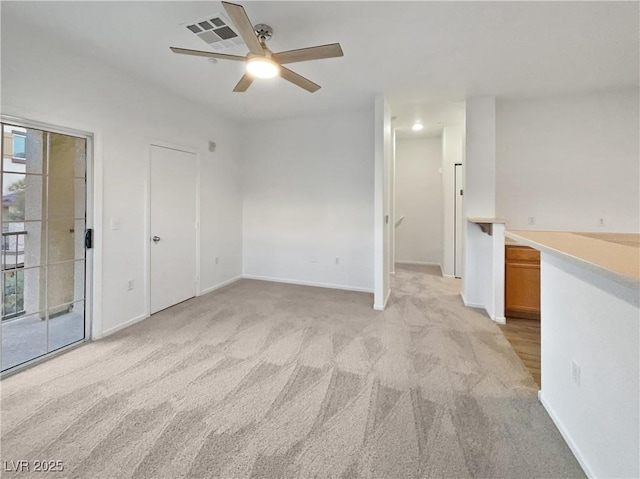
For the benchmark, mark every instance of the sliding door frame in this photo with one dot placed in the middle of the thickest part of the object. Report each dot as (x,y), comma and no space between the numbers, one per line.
(89,224)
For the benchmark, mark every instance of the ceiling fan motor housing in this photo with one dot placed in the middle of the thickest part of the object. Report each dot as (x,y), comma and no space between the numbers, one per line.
(264,32)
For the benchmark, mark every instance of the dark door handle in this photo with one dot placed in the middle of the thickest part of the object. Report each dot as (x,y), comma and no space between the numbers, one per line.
(88,238)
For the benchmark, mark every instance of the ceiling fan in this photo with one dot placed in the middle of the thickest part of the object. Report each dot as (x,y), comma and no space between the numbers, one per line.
(262,62)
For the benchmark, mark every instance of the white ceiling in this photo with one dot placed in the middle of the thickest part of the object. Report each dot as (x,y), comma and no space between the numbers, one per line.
(416,52)
(434,117)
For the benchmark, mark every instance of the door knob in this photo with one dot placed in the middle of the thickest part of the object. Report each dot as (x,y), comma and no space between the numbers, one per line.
(156,239)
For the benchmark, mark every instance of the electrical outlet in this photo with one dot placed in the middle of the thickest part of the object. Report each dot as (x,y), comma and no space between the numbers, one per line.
(130,285)
(575,373)
(532,220)
(313,259)
(337,260)
(601,222)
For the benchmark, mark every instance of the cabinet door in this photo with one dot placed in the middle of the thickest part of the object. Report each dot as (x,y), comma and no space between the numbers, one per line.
(523,289)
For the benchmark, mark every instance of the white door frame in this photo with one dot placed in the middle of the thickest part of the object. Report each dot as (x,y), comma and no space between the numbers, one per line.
(457,235)
(147,229)
(90,223)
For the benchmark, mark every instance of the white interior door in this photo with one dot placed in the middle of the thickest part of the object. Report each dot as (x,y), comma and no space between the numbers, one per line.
(459,192)
(173,227)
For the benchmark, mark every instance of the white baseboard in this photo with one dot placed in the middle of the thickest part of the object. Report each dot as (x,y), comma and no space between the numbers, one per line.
(220,285)
(308,283)
(567,437)
(117,328)
(499,320)
(422,263)
(383,306)
(419,263)
(468,304)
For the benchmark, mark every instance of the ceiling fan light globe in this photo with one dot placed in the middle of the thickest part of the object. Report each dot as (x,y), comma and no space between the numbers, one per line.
(262,68)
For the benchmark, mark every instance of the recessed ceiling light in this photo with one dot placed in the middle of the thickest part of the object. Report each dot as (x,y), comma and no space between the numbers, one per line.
(261,67)
(417,126)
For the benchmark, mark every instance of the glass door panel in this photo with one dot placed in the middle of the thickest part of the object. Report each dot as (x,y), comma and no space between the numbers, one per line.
(43,254)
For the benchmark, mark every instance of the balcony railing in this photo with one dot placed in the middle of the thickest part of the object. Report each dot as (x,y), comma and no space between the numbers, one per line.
(13,245)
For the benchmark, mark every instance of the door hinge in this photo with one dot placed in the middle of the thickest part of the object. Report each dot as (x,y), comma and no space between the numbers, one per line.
(88,238)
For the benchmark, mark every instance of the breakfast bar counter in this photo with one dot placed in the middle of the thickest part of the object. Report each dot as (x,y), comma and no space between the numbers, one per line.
(614,255)
(590,344)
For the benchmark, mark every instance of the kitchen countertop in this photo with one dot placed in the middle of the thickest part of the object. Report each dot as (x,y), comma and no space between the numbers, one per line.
(615,255)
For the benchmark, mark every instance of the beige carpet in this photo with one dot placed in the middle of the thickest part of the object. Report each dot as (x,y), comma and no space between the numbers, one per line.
(271,380)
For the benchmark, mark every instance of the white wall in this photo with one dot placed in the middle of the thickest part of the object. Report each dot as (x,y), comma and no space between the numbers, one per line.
(418,197)
(568,161)
(308,199)
(478,282)
(593,321)
(47,81)
(452,153)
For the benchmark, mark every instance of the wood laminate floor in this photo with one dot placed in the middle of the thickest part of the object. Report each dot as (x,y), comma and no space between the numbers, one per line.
(524,336)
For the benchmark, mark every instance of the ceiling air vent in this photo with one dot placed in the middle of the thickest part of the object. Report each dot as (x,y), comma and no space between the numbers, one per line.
(217,31)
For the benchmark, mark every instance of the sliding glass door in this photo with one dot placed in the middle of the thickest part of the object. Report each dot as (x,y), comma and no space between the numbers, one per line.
(43,242)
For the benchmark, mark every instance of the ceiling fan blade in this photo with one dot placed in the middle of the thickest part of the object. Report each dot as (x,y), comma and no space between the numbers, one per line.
(299,80)
(200,53)
(312,53)
(245,27)
(244,83)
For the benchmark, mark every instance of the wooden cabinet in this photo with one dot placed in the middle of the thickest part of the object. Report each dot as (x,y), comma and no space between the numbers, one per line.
(522,282)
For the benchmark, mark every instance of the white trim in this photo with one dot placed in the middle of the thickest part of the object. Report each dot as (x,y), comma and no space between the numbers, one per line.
(499,320)
(567,437)
(420,263)
(382,307)
(220,285)
(121,326)
(45,126)
(423,263)
(44,120)
(468,304)
(91,201)
(308,283)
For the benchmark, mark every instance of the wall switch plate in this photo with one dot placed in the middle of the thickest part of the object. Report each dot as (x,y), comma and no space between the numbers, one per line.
(130,285)
(337,260)
(532,220)
(313,259)
(601,222)
(217,260)
(115,223)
